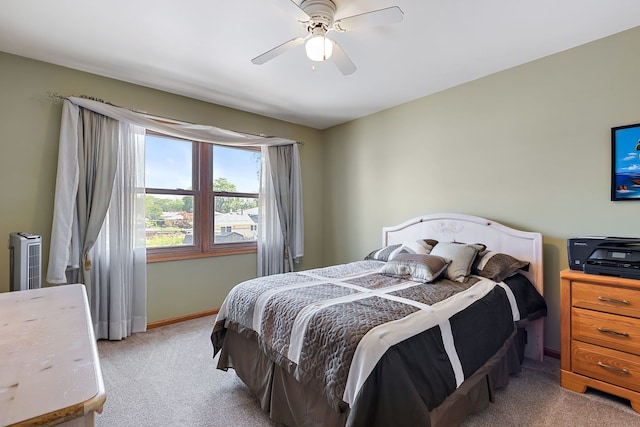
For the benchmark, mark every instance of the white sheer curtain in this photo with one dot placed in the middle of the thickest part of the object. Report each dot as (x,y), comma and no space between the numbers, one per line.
(119,270)
(271,257)
(96,233)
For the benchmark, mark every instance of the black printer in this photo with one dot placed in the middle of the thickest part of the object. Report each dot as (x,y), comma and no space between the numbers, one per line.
(610,256)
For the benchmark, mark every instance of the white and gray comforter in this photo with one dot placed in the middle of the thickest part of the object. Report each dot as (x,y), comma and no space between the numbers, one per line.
(333,328)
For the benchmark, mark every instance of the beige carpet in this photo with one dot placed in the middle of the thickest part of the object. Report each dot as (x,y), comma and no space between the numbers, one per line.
(167,377)
(534,398)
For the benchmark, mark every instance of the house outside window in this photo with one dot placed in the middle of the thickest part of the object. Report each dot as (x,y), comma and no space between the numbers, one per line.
(201,199)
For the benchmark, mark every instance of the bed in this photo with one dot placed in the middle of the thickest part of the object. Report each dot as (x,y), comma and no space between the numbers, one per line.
(420,332)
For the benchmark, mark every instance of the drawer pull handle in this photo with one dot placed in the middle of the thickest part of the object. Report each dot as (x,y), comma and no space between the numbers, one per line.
(613,368)
(610,332)
(615,301)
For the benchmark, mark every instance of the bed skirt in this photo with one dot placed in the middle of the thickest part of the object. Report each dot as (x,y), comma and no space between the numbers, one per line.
(290,403)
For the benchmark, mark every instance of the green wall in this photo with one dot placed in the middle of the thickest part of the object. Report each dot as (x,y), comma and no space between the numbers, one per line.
(29,130)
(528,147)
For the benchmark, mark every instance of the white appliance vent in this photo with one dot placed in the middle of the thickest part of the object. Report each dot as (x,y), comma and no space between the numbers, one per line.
(25,263)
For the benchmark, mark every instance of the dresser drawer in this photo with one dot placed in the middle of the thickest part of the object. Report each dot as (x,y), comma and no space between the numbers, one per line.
(607,365)
(608,299)
(605,329)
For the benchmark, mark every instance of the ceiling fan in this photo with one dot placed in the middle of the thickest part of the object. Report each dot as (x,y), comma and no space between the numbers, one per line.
(317,16)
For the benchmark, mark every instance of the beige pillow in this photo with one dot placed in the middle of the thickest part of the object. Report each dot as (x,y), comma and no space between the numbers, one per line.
(460,256)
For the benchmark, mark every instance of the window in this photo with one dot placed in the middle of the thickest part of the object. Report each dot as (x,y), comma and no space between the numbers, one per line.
(201,199)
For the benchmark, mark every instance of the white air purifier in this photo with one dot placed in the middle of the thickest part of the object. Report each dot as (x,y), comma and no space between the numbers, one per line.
(25,263)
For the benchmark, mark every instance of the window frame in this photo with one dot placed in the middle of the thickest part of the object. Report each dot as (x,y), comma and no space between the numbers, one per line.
(203,210)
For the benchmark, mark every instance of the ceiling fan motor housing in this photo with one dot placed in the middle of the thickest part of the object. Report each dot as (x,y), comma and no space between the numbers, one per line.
(321,13)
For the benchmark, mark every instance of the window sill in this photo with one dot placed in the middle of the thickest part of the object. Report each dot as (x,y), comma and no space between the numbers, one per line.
(164,257)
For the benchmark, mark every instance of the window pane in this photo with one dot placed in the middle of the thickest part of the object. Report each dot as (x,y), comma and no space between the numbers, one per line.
(236,170)
(169,220)
(236,219)
(168,163)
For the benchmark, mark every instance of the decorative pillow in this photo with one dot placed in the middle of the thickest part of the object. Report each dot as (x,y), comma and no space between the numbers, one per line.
(383,254)
(423,268)
(460,256)
(497,266)
(390,252)
(416,247)
(430,242)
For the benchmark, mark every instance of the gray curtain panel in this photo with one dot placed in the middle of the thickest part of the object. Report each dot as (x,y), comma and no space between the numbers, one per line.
(97,161)
(281,175)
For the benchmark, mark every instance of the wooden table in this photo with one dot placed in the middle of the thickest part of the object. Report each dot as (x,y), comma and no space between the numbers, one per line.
(49,367)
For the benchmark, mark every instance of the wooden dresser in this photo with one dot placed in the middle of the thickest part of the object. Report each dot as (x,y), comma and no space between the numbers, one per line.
(600,334)
(49,368)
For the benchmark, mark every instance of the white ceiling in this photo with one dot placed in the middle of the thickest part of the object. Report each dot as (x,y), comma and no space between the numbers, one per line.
(203,48)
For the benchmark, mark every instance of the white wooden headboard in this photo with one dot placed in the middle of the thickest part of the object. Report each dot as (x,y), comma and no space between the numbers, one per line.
(524,245)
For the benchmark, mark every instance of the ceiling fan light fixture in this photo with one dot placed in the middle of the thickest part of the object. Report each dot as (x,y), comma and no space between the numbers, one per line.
(319,48)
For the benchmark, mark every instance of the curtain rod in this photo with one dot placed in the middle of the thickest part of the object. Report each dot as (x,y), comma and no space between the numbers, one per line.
(56,97)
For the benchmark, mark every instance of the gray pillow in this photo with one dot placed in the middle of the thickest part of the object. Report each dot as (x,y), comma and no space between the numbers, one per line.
(460,256)
(423,268)
(383,254)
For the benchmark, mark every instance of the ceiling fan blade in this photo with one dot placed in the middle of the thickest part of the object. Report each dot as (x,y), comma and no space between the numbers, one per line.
(342,61)
(291,8)
(278,50)
(389,15)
